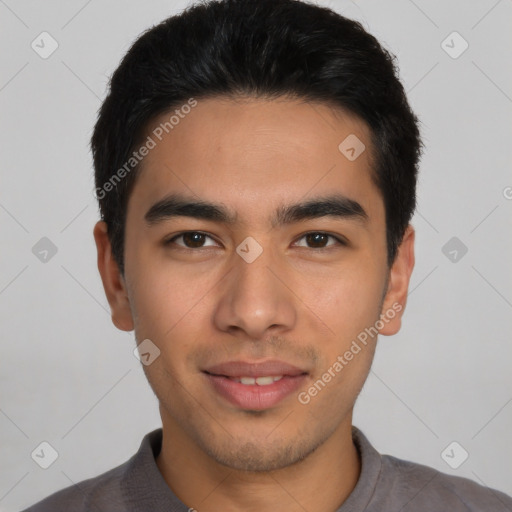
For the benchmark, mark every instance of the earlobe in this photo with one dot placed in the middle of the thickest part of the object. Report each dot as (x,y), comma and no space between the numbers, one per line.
(398,285)
(113,282)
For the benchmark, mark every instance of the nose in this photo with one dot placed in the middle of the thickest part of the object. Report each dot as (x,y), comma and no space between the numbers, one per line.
(256,298)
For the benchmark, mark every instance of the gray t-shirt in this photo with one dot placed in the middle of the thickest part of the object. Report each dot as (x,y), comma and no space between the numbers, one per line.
(386,484)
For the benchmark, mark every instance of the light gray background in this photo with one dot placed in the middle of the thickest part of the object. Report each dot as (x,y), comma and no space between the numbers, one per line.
(70,378)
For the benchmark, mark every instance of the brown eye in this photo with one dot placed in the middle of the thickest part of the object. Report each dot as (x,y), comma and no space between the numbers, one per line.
(191,240)
(319,240)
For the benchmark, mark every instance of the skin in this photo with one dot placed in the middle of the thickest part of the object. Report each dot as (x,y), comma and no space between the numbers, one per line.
(296,302)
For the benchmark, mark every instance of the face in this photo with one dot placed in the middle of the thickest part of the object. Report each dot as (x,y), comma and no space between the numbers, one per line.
(253,285)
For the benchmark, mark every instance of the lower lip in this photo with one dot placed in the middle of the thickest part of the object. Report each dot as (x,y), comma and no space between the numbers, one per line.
(254,397)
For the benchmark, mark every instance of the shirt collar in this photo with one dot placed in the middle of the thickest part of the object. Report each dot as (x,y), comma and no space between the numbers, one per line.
(143,485)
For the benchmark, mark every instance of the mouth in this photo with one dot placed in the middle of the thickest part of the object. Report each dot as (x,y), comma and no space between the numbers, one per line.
(259,381)
(255,386)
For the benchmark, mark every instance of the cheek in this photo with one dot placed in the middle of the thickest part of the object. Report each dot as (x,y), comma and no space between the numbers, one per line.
(159,301)
(349,309)
(163,290)
(347,300)
(171,309)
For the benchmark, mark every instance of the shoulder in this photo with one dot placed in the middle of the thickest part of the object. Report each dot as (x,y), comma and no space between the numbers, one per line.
(388,483)
(101,491)
(424,488)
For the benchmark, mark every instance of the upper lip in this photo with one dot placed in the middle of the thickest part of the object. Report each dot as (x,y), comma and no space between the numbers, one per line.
(247,369)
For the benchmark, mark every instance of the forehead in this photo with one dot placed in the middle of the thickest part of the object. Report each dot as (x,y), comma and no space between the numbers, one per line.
(254,155)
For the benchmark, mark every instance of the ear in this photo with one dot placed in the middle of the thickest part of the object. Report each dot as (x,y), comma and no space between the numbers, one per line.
(113,281)
(395,300)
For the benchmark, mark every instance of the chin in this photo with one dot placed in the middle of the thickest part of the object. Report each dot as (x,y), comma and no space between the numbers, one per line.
(260,456)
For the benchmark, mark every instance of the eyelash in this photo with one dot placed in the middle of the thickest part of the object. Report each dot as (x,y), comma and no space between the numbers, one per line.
(340,241)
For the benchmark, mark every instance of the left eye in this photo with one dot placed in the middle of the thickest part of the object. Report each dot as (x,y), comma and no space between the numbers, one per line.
(318,238)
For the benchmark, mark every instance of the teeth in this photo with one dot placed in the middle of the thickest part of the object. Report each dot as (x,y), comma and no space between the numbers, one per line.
(264,381)
(260,381)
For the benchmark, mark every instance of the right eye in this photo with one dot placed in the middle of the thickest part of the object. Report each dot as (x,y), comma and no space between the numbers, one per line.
(191,240)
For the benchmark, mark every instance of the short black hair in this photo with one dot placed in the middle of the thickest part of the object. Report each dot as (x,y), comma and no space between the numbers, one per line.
(262,49)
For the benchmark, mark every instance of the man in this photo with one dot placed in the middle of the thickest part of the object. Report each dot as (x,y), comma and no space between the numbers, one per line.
(256,169)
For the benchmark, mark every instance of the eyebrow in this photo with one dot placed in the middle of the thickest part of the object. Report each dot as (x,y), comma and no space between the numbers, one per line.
(177,205)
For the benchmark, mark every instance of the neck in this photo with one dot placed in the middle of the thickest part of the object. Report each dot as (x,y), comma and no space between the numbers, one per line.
(203,484)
